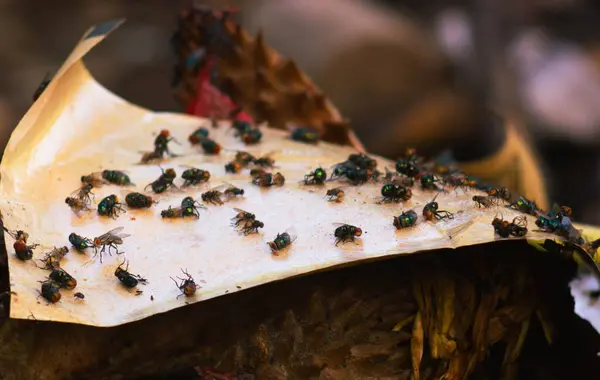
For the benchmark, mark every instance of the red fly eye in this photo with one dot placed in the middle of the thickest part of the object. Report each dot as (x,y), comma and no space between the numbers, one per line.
(97,242)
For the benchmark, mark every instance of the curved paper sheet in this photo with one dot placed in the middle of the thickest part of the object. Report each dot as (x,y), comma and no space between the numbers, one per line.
(78,127)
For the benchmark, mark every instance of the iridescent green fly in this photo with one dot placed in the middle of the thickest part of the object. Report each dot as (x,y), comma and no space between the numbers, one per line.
(429,182)
(407,168)
(405,220)
(432,212)
(190,206)
(305,135)
(241,127)
(161,143)
(210,146)
(198,135)
(395,193)
(110,206)
(524,205)
(63,279)
(163,182)
(138,200)
(117,177)
(316,177)
(79,242)
(50,291)
(251,137)
(346,232)
(194,176)
(128,279)
(283,240)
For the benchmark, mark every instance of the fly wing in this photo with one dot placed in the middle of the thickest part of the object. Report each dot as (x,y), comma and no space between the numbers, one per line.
(336,225)
(238,210)
(229,185)
(293,233)
(189,167)
(122,236)
(77,192)
(110,233)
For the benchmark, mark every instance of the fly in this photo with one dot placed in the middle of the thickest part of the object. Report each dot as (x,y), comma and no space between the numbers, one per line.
(109,240)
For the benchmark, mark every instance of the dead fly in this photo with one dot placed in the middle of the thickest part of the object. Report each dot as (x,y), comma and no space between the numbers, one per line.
(504,228)
(110,206)
(194,176)
(187,286)
(79,296)
(395,193)
(210,146)
(283,240)
(84,193)
(129,280)
(345,233)
(23,251)
(198,135)
(213,196)
(360,176)
(244,158)
(79,242)
(247,224)
(466,182)
(335,195)
(265,161)
(241,127)
(94,179)
(189,207)
(171,213)
(76,204)
(231,191)
(431,211)
(264,179)
(363,161)
(149,157)
(398,179)
(116,177)
(51,260)
(257,172)
(242,217)
(63,279)
(524,205)
(316,177)
(252,137)
(161,142)
(407,168)
(163,182)
(233,167)
(305,135)
(50,291)
(138,200)
(430,182)
(500,193)
(405,220)
(485,200)
(109,240)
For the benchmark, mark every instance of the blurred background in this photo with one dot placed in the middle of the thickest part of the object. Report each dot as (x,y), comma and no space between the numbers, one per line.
(420,72)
